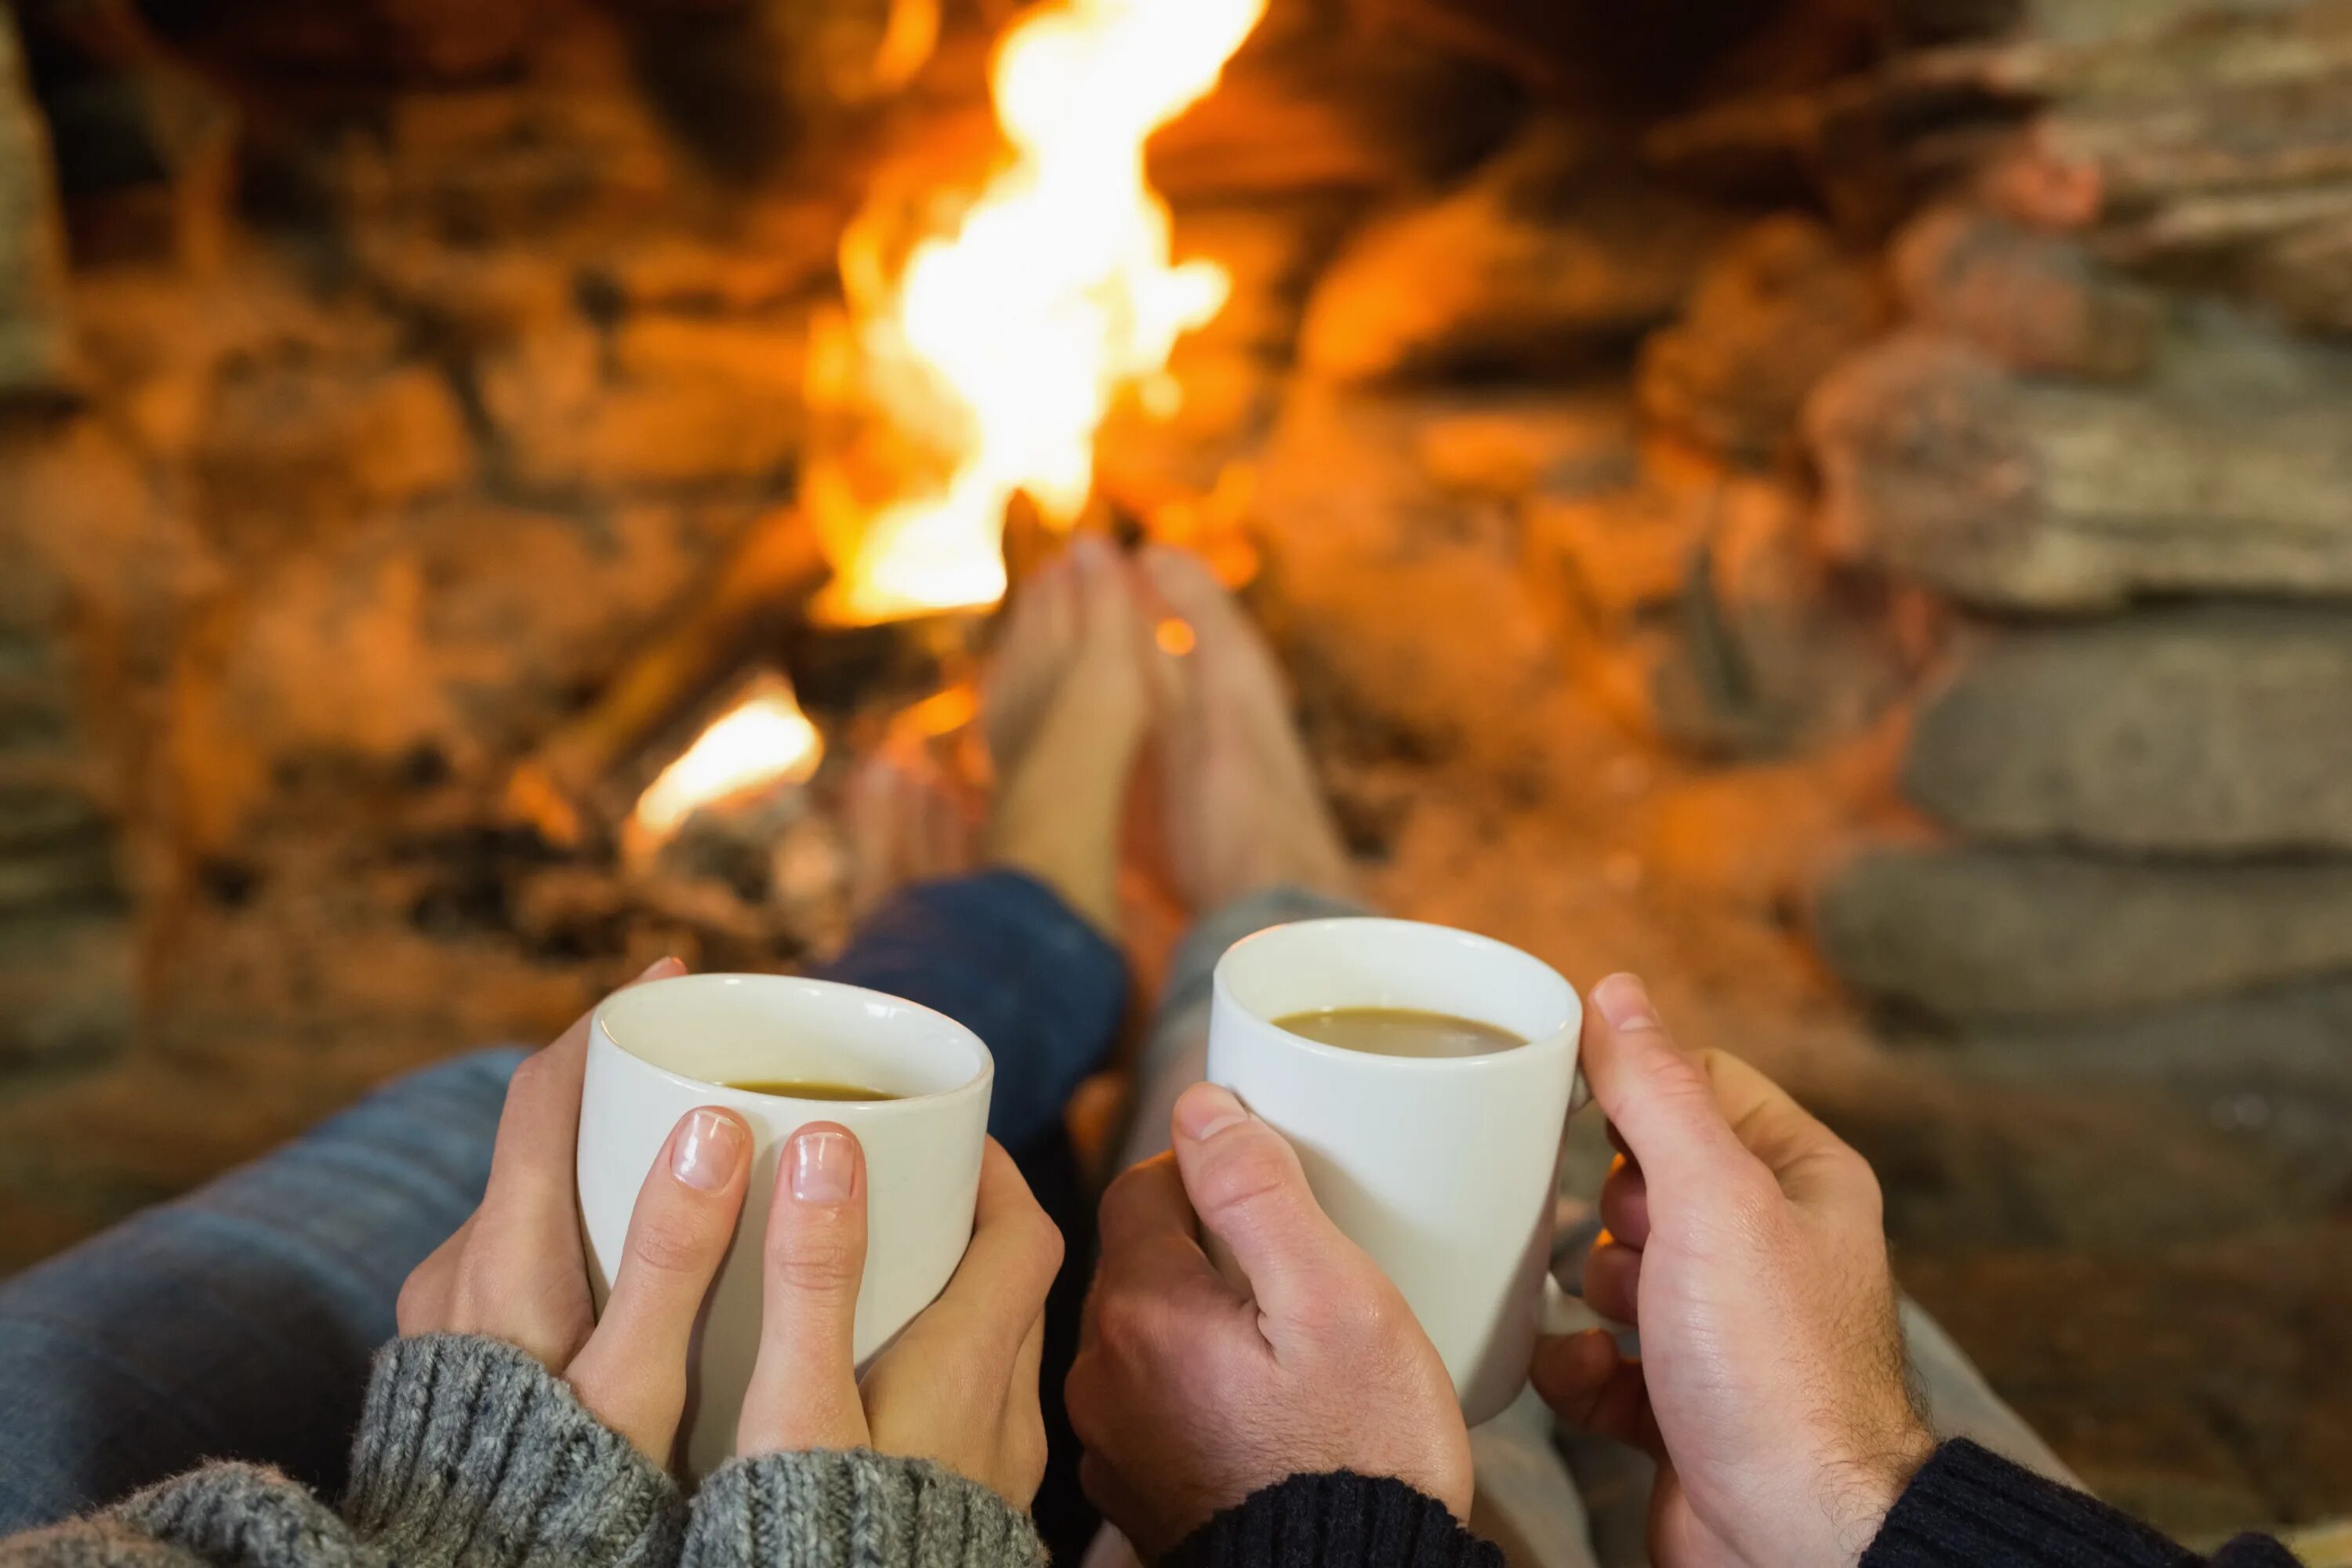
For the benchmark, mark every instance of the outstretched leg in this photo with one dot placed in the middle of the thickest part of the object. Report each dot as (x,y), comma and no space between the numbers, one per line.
(237,1323)
(1024,951)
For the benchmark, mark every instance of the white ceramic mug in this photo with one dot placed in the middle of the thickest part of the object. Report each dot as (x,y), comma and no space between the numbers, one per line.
(657,1051)
(1442,1169)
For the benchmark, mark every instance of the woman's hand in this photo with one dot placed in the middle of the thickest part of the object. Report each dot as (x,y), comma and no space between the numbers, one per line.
(1192,1392)
(515,1270)
(958,1386)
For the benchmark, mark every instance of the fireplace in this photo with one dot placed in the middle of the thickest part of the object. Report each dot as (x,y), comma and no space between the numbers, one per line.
(1839,505)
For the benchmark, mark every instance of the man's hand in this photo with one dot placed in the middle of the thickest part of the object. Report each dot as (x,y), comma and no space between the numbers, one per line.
(1745,1241)
(1191,1393)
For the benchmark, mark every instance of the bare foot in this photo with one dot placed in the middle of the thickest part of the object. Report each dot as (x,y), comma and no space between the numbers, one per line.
(906,823)
(1242,809)
(1061,793)
(1033,647)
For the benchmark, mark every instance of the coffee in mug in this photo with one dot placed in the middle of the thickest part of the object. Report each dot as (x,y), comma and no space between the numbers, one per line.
(1400,1032)
(808,1089)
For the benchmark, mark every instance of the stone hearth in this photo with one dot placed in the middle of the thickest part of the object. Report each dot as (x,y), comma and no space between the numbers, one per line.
(1842,506)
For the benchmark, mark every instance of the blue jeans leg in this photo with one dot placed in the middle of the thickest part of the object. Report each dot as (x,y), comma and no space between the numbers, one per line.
(1001,955)
(239,1321)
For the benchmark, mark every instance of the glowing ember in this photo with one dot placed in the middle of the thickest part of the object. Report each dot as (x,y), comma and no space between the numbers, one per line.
(1001,346)
(761,742)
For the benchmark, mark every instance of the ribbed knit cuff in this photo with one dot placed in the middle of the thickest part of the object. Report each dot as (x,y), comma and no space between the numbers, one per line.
(1968,1507)
(469,1450)
(1337,1521)
(838,1508)
(242,1514)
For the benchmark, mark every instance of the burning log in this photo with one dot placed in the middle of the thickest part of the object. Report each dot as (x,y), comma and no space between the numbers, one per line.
(774,571)
(1940,466)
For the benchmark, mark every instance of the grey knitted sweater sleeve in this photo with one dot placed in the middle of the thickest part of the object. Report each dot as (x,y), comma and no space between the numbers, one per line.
(853,1509)
(470,1454)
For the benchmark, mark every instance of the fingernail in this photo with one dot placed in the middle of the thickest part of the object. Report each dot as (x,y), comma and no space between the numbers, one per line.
(709,1150)
(1625,1000)
(1207,1109)
(824,1166)
(664,965)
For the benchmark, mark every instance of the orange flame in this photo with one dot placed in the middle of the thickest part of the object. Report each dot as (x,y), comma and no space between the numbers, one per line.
(764,740)
(1000,346)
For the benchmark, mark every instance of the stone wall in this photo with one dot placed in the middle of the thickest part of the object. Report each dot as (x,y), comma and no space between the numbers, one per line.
(2116,427)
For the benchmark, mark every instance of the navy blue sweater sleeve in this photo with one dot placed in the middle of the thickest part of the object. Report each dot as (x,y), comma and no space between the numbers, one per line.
(1000,953)
(1967,1508)
(1337,1521)
(1971,1506)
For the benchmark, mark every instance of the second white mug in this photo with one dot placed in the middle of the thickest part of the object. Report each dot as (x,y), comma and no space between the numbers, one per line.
(1443,1170)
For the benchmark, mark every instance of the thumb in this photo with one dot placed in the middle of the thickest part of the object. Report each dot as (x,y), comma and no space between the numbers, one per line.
(803,1387)
(1656,1095)
(1250,1192)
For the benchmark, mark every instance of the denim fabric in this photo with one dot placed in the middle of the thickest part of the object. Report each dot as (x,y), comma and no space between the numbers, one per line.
(1000,953)
(237,1322)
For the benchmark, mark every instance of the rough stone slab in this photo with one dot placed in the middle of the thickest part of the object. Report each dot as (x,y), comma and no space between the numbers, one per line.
(1782,305)
(1989,933)
(2273,1069)
(2035,301)
(286,448)
(2205,141)
(666,400)
(2211,730)
(69,984)
(36,344)
(1939,465)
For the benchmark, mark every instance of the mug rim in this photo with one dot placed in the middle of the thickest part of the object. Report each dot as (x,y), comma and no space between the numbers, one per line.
(1561,1037)
(981,1080)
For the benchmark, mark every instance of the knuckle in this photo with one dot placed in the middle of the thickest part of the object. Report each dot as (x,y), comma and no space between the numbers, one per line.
(527,1075)
(816,1270)
(1130,1327)
(1044,1246)
(675,1245)
(408,1309)
(1253,1172)
(1861,1183)
(1676,1077)
(1130,1191)
(1755,1208)
(1848,1166)
(1353,1311)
